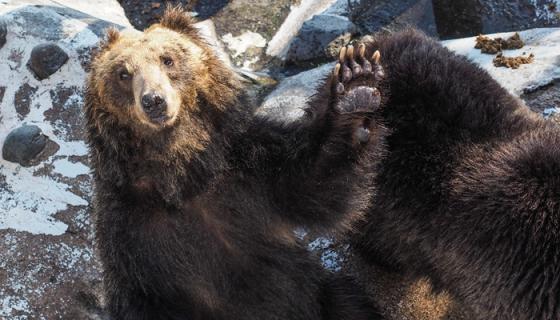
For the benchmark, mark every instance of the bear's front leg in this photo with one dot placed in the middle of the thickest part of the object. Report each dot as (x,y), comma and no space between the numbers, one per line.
(330,183)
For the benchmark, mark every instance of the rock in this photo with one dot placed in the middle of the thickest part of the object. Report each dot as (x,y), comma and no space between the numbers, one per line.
(317,34)
(22,99)
(463,18)
(374,15)
(23,144)
(340,8)
(91,11)
(545,99)
(46,59)
(46,236)
(543,43)
(287,101)
(3,33)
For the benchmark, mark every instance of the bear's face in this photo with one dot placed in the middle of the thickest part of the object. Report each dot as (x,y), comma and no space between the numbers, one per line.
(147,79)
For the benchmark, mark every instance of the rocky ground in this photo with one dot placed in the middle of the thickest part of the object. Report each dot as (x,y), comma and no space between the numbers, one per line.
(48,266)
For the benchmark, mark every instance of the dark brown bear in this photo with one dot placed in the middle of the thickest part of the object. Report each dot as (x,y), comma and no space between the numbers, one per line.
(196,198)
(469,192)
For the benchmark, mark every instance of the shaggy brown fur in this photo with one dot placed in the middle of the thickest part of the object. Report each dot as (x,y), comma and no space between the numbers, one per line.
(469,193)
(196,205)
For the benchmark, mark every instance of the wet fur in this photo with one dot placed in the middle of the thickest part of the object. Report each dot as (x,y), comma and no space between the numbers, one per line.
(195,221)
(469,193)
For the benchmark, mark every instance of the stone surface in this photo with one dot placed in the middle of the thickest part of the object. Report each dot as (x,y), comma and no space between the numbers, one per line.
(46,59)
(317,34)
(463,18)
(92,12)
(374,15)
(3,33)
(545,100)
(48,268)
(287,101)
(22,99)
(23,144)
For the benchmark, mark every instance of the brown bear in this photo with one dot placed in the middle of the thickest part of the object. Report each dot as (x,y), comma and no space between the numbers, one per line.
(196,197)
(469,191)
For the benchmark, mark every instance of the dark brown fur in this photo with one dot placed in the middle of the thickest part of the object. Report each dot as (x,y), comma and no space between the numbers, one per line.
(469,193)
(195,219)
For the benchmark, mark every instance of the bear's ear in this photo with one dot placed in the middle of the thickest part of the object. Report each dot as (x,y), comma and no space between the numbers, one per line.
(112,36)
(178,19)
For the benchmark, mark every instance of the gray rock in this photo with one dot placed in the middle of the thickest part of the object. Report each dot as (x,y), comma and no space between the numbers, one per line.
(545,100)
(462,18)
(46,59)
(22,99)
(317,34)
(3,33)
(374,15)
(290,97)
(23,144)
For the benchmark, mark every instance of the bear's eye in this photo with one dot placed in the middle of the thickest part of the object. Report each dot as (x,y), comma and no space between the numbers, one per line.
(167,61)
(124,75)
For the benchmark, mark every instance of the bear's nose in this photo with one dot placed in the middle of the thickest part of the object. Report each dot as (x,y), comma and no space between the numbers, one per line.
(154,105)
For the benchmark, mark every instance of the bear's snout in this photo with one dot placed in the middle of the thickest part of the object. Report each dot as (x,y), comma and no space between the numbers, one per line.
(155,107)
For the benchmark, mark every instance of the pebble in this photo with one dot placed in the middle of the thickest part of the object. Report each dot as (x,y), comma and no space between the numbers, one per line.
(46,59)
(23,144)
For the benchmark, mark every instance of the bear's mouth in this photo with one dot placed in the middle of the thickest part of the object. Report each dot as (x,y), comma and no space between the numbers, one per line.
(160,120)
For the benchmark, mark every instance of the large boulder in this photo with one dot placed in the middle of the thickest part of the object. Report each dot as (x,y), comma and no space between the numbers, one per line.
(375,15)
(47,261)
(317,35)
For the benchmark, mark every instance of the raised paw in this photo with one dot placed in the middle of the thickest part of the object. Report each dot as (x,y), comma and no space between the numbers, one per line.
(354,67)
(356,94)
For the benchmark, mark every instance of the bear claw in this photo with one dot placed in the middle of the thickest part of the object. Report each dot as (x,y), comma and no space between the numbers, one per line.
(354,64)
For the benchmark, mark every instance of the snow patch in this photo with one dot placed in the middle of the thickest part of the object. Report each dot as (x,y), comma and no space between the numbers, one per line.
(543,43)
(70,169)
(330,258)
(238,45)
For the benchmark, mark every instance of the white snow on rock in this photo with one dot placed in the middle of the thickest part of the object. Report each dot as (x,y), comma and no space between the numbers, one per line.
(543,43)
(249,39)
(108,10)
(278,46)
(70,169)
(30,199)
